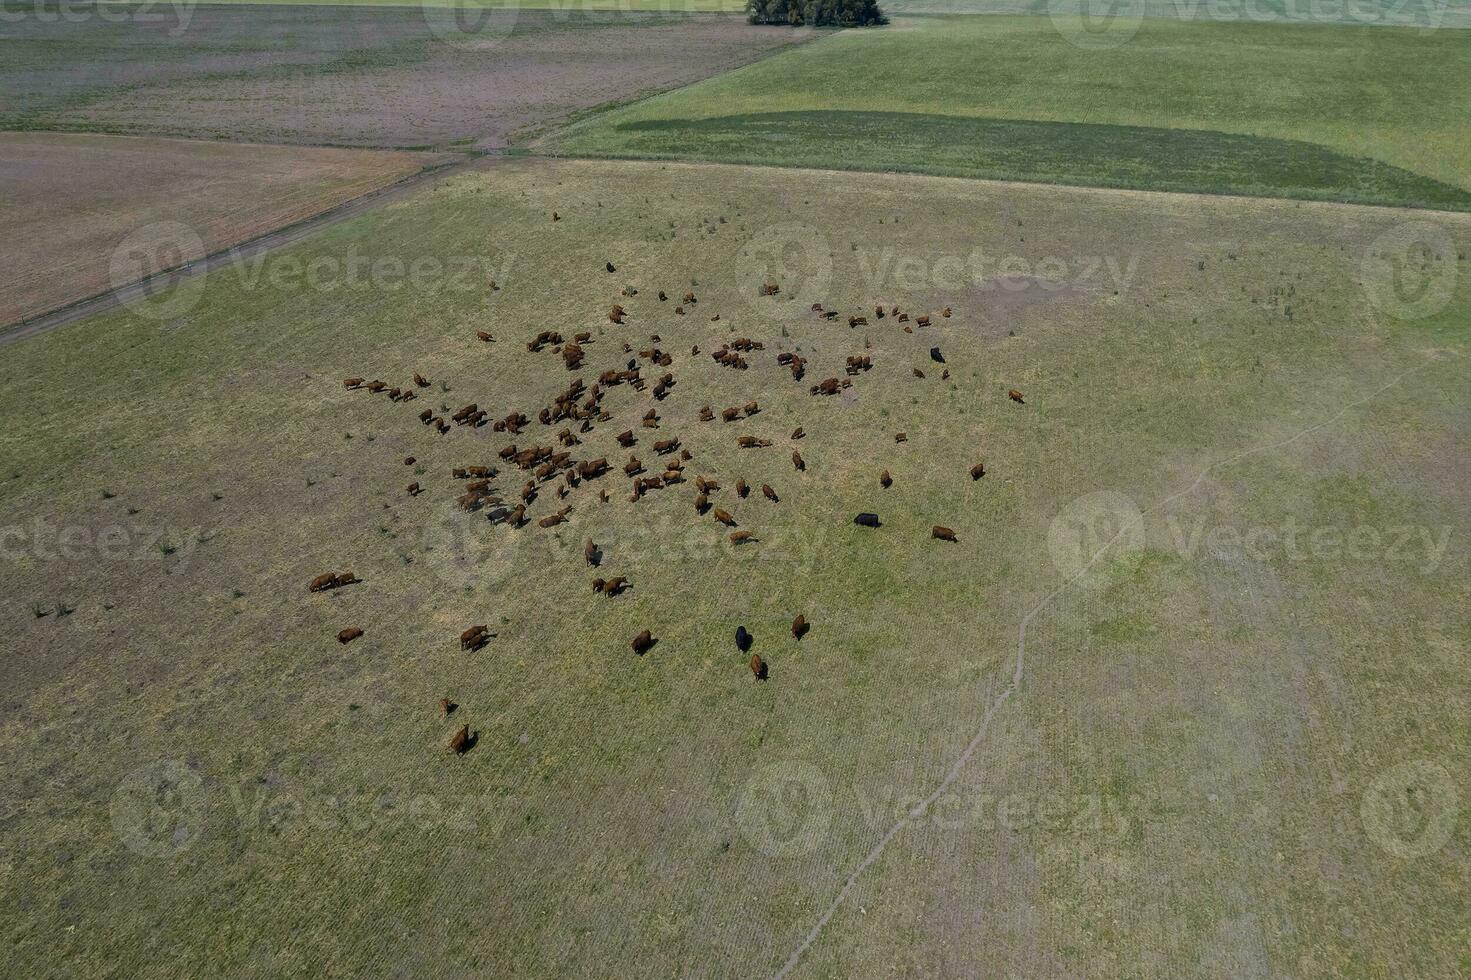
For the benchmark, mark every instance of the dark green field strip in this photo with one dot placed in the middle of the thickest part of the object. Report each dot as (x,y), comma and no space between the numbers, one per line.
(1087,154)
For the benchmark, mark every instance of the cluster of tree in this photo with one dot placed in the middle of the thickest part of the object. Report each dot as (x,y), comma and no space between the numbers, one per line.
(816,13)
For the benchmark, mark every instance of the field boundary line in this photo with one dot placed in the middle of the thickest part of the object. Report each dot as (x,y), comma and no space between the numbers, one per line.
(1017,676)
(288,234)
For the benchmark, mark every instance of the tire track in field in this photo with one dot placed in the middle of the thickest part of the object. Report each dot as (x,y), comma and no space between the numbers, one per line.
(1433,356)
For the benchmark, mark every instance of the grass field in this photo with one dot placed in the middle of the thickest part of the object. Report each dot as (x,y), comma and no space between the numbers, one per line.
(402,77)
(1199,771)
(72,199)
(1366,114)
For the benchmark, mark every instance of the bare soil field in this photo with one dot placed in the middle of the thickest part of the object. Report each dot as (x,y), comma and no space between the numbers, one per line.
(73,201)
(401,77)
(1185,697)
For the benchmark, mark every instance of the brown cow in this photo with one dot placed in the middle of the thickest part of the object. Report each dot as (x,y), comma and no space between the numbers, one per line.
(702,503)
(590,553)
(741,537)
(751,442)
(413,489)
(633,466)
(666,445)
(918,373)
(626,438)
(977,471)
(730,414)
(460,743)
(447,706)
(752,408)
(797,460)
(420,380)
(901,437)
(741,488)
(351,383)
(346,578)
(769,493)
(614,586)
(706,414)
(483,335)
(642,643)
(1015,396)
(323,582)
(799,626)
(474,638)
(552,520)
(885,480)
(942,533)
(798,433)
(922,321)
(758,666)
(349,634)
(724,518)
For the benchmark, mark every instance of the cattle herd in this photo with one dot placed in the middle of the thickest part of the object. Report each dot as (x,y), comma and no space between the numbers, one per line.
(553,471)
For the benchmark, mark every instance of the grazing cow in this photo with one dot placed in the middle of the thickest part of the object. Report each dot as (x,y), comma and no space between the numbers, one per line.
(854,321)
(457,472)
(352,383)
(751,408)
(758,666)
(651,423)
(903,317)
(666,445)
(730,414)
(426,415)
(474,638)
(770,289)
(590,553)
(901,437)
(376,386)
(591,469)
(603,496)
(706,415)
(323,582)
(743,639)
(751,442)
(632,466)
(945,313)
(936,356)
(922,321)
(626,438)
(614,586)
(741,488)
(442,426)
(1015,396)
(867,519)
(885,480)
(702,503)
(662,296)
(616,314)
(798,433)
(977,471)
(413,489)
(572,356)
(679,310)
(942,533)
(518,516)
(447,706)
(460,743)
(484,335)
(410,460)
(551,520)
(945,375)
(349,634)
(724,518)
(878,311)
(769,493)
(828,386)
(797,460)
(611,268)
(642,643)
(918,373)
(741,537)
(690,298)
(582,338)
(346,578)
(800,627)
